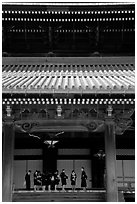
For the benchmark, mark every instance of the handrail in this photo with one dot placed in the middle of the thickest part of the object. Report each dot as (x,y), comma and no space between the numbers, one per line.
(126,177)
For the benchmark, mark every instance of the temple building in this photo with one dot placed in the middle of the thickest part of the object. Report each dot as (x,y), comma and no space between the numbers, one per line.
(68,99)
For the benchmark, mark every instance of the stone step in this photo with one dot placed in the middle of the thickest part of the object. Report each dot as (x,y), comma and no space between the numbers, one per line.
(58,200)
(58,197)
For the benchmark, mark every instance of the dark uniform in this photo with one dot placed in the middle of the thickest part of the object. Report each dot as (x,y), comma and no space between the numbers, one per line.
(63,177)
(55,180)
(73,178)
(49,175)
(56,177)
(83,179)
(52,182)
(27,179)
(37,179)
(44,179)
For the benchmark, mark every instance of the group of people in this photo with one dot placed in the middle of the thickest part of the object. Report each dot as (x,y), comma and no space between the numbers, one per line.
(50,181)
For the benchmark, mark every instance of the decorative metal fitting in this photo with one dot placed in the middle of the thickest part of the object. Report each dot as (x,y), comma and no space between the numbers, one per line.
(109,110)
(8,110)
(59,111)
(100,154)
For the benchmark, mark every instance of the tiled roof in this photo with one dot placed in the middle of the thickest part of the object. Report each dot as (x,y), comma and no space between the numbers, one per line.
(61,78)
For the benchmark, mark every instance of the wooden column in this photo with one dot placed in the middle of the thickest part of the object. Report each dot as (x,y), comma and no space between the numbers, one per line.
(110,150)
(7,163)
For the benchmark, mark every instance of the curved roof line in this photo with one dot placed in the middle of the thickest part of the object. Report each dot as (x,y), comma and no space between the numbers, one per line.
(68,3)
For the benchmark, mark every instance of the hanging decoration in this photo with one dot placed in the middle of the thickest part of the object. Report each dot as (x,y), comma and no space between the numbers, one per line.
(50,140)
(100,154)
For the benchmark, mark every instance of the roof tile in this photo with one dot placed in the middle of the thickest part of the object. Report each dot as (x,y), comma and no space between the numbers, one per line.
(90,79)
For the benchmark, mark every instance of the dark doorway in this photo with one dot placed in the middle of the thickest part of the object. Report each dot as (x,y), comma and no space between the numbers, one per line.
(98,169)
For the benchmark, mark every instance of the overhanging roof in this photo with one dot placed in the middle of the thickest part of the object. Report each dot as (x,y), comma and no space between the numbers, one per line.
(94,75)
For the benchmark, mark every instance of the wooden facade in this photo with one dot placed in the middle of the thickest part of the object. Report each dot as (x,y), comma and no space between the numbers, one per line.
(83,97)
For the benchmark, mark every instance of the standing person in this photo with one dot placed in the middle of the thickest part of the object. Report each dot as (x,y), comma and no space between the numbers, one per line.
(49,176)
(83,179)
(52,184)
(56,179)
(44,181)
(63,177)
(35,180)
(27,180)
(73,180)
(39,179)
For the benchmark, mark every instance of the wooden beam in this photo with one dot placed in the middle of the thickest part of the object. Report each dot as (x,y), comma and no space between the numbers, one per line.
(84,125)
(110,150)
(7,163)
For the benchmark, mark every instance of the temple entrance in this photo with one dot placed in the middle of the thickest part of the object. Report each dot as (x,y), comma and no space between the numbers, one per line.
(98,173)
(94,170)
(71,152)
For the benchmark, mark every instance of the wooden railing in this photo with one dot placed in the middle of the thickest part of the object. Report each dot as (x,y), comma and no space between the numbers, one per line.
(128,183)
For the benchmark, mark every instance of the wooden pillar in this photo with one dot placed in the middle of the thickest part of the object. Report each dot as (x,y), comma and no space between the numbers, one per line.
(7,163)
(110,150)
